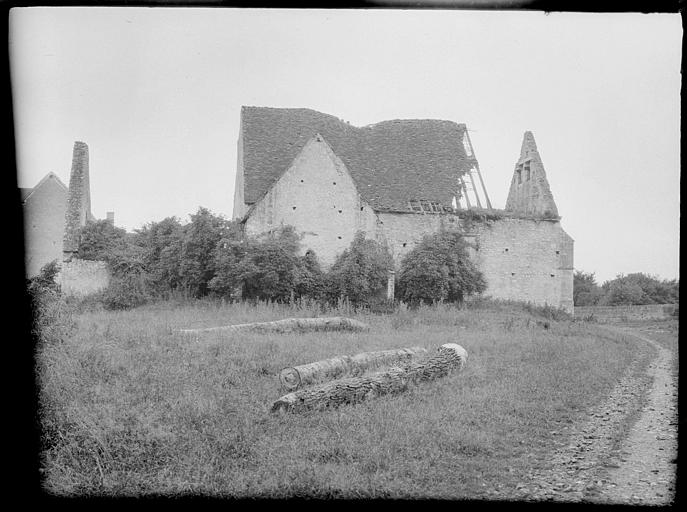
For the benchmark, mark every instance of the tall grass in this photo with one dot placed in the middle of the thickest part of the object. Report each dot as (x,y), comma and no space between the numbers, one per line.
(129,408)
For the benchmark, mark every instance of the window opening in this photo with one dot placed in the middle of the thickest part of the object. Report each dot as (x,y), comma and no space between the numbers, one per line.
(528,173)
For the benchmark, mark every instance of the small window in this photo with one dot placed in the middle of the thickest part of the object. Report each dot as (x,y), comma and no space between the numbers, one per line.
(506,249)
(512,273)
(301,181)
(518,172)
(338,237)
(558,252)
(339,211)
(361,208)
(333,182)
(293,207)
(553,275)
(404,244)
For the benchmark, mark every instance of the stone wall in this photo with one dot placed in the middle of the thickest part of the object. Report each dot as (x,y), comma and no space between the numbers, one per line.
(317,196)
(44,211)
(239,205)
(625,313)
(403,231)
(526,260)
(529,191)
(81,277)
(79,199)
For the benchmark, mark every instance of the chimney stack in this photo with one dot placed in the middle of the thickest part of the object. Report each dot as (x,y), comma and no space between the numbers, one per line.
(78,200)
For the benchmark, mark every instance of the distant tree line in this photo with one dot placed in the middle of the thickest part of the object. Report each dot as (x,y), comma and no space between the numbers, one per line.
(631,289)
(212,256)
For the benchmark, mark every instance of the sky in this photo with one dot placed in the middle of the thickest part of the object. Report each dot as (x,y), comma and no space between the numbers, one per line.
(156,94)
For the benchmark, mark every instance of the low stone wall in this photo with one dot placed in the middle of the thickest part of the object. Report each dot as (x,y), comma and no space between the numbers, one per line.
(624,313)
(81,277)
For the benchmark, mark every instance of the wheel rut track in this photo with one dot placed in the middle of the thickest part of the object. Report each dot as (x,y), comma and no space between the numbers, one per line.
(626,452)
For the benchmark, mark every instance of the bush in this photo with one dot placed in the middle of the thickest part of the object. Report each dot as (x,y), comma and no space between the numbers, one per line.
(439,269)
(52,316)
(360,273)
(266,268)
(125,293)
(99,239)
(197,255)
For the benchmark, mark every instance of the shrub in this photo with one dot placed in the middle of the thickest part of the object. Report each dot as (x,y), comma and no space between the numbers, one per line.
(360,273)
(99,239)
(52,316)
(125,292)
(439,269)
(266,268)
(162,243)
(310,281)
(198,250)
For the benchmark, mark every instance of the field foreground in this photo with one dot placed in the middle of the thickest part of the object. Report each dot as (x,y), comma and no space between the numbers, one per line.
(128,408)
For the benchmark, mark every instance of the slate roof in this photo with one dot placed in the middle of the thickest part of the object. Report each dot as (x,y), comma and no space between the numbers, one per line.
(391,162)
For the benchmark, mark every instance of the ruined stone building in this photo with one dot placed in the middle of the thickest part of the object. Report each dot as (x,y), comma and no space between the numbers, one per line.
(53,216)
(398,181)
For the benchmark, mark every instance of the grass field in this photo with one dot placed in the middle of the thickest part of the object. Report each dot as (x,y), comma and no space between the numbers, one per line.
(128,408)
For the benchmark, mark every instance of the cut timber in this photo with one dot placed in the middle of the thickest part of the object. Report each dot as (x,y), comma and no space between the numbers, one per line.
(336,323)
(296,377)
(356,389)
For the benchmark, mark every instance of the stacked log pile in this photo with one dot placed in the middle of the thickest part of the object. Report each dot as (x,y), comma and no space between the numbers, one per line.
(336,323)
(296,377)
(356,389)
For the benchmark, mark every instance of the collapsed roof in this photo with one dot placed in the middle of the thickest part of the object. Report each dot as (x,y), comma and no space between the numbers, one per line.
(391,163)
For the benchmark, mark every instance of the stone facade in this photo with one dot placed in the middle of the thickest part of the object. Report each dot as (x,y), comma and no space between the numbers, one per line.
(44,209)
(525,255)
(82,277)
(317,196)
(79,201)
(53,216)
(627,313)
(529,192)
(526,260)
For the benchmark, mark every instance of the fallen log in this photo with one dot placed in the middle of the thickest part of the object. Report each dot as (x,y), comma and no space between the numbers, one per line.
(356,389)
(336,323)
(295,377)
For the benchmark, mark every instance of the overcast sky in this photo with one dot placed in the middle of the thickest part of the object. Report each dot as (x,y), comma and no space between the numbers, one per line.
(156,94)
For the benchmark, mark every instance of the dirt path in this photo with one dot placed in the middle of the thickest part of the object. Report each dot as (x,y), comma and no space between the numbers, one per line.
(646,474)
(626,452)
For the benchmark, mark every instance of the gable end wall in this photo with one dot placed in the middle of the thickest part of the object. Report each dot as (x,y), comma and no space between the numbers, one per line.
(318,197)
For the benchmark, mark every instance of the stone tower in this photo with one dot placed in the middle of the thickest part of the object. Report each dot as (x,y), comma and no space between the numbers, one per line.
(529,189)
(78,201)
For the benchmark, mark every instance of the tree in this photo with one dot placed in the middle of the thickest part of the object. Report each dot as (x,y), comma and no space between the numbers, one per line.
(585,290)
(620,293)
(201,237)
(360,273)
(99,239)
(310,281)
(639,288)
(439,269)
(162,244)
